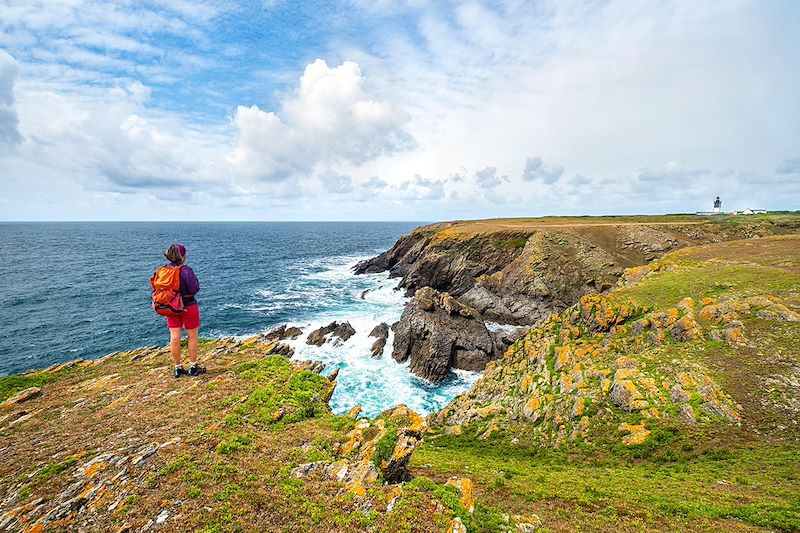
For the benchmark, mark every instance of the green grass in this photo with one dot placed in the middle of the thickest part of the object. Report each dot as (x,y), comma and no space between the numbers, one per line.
(279,389)
(666,289)
(10,385)
(603,489)
(47,472)
(385,446)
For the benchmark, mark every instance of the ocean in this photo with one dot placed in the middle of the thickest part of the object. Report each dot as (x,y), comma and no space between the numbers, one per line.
(81,290)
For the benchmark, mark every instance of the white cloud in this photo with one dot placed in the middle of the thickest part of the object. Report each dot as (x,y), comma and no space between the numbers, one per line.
(113,142)
(488,178)
(9,123)
(419,188)
(459,92)
(672,173)
(334,182)
(328,119)
(537,169)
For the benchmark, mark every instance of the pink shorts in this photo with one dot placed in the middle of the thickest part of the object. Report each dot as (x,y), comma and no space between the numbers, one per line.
(189,319)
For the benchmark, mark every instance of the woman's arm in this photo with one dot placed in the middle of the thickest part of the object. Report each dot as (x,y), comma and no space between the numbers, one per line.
(191,283)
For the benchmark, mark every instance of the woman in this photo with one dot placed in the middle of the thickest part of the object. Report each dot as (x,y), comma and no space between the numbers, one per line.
(189,319)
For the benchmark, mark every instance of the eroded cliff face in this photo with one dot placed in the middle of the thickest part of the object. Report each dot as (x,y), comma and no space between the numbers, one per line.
(437,333)
(672,346)
(517,271)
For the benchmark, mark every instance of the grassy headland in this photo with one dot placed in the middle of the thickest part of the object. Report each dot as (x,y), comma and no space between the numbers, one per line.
(669,403)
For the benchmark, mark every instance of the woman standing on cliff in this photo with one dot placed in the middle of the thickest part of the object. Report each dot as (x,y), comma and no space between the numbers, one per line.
(189,319)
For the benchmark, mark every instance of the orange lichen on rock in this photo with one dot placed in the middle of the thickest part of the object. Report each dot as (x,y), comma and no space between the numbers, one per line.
(465,488)
(637,433)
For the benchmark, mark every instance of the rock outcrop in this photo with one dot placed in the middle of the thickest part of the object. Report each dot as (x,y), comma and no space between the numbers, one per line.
(517,271)
(437,333)
(282,332)
(374,450)
(563,376)
(381,332)
(320,336)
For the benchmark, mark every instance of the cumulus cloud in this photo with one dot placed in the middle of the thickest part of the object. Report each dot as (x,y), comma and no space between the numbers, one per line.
(374,183)
(330,118)
(579,180)
(113,142)
(9,122)
(488,178)
(420,188)
(536,169)
(334,182)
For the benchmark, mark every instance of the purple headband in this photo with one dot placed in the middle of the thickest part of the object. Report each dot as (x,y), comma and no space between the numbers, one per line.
(182,250)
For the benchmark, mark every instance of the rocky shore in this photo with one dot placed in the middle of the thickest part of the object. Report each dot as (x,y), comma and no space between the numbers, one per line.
(518,271)
(667,400)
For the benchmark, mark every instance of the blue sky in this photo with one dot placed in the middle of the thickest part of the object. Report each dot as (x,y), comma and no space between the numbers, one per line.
(375,110)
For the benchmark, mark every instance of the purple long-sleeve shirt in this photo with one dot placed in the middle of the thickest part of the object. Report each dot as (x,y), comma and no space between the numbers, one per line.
(189,284)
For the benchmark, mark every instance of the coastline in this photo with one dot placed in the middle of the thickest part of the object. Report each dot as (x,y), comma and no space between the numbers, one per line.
(651,384)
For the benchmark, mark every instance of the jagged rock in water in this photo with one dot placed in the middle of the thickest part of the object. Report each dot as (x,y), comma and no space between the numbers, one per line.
(438,333)
(319,336)
(344,331)
(381,332)
(282,332)
(312,366)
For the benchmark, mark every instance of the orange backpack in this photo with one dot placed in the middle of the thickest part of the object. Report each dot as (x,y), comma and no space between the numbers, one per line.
(166,283)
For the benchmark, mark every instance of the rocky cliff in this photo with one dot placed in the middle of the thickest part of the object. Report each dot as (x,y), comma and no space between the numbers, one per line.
(437,333)
(675,394)
(670,402)
(517,271)
(631,358)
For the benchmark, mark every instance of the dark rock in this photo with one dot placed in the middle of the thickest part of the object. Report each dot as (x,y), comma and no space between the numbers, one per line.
(381,332)
(344,331)
(521,276)
(280,348)
(437,333)
(282,332)
(319,336)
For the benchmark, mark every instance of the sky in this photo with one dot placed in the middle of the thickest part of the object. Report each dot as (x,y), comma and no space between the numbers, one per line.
(396,110)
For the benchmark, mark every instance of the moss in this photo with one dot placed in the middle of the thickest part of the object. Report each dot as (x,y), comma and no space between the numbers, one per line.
(282,395)
(666,491)
(10,385)
(385,446)
(484,518)
(47,472)
(234,442)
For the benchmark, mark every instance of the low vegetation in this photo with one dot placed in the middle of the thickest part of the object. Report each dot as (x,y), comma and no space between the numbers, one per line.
(670,403)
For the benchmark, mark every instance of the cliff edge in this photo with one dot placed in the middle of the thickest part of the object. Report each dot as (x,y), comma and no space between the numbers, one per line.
(517,271)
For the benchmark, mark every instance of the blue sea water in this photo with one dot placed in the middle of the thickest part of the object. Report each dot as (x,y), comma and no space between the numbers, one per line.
(70,290)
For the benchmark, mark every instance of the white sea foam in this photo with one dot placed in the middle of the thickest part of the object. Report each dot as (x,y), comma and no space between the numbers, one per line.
(374,383)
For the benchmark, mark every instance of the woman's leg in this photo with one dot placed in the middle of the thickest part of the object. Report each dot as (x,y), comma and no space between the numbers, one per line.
(175,345)
(192,334)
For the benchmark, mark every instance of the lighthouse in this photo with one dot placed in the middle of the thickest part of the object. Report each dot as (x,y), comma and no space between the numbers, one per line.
(717,205)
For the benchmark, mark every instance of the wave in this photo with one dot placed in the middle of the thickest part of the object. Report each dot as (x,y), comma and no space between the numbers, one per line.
(328,291)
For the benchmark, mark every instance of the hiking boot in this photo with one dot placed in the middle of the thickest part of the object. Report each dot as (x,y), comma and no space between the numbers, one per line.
(196,370)
(179,371)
